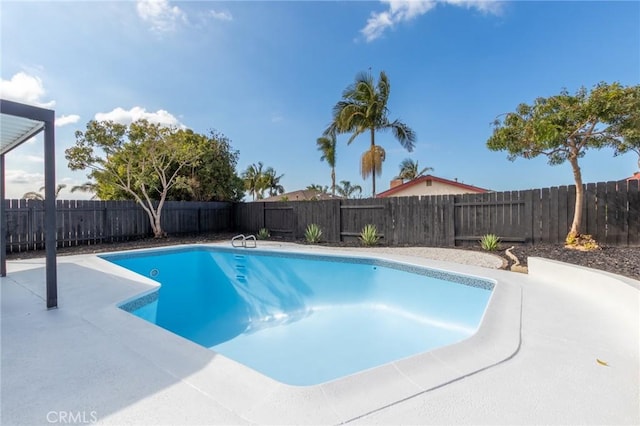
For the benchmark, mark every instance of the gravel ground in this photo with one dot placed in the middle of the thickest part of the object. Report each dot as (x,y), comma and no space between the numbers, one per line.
(618,260)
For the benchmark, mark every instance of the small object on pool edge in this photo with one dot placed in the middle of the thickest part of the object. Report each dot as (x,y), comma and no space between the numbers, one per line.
(599,361)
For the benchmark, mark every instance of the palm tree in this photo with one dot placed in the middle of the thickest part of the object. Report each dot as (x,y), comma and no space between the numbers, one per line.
(32,195)
(409,170)
(371,161)
(87,187)
(253,180)
(363,108)
(327,145)
(271,182)
(347,190)
(318,188)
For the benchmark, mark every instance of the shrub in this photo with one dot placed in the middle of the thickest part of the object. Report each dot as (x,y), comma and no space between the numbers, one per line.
(369,235)
(263,234)
(490,242)
(583,242)
(313,233)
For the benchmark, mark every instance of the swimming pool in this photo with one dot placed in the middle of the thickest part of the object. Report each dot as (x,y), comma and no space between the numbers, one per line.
(305,319)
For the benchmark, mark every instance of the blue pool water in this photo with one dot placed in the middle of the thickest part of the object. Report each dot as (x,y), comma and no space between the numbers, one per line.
(305,319)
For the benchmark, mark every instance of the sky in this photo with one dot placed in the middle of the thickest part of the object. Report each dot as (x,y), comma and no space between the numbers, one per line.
(266,74)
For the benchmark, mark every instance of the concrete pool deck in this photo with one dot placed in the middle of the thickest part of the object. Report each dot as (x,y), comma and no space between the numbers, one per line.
(88,360)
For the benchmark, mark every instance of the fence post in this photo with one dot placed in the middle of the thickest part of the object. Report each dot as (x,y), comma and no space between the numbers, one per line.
(449,217)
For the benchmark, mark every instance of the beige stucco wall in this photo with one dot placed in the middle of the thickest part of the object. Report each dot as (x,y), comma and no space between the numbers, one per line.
(436,188)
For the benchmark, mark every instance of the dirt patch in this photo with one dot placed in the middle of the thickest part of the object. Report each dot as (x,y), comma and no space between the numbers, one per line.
(618,260)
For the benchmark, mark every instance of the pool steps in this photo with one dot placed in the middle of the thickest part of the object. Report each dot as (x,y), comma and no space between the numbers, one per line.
(240,267)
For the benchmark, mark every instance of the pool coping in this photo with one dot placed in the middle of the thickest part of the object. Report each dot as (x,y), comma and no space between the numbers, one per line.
(258,398)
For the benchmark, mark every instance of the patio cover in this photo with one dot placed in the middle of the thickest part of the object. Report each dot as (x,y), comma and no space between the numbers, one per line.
(19,123)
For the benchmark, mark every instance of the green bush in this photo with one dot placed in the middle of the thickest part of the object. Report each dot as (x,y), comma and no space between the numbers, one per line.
(369,235)
(263,234)
(313,233)
(490,242)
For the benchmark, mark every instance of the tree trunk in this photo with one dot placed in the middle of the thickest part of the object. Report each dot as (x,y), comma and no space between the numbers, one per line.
(373,175)
(333,181)
(157,227)
(577,214)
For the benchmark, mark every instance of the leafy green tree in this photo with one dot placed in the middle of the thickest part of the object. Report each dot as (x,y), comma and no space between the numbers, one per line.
(215,177)
(32,195)
(629,126)
(143,160)
(564,127)
(347,190)
(363,108)
(327,145)
(409,170)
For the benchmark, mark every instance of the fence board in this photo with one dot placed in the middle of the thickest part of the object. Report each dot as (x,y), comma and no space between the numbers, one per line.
(563,213)
(613,221)
(633,200)
(591,210)
(622,213)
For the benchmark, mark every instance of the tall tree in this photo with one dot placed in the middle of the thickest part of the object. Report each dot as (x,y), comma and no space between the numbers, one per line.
(272,182)
(347,190)
(410,170)
(253,178)
(363,109)
(143,160)
(564,127)
(327,145)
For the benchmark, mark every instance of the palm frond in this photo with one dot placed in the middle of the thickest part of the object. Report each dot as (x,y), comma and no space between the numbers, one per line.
(371,161)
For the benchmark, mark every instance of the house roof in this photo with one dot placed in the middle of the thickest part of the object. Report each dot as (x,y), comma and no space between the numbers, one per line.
(421,179)
(301,195)
(636,176)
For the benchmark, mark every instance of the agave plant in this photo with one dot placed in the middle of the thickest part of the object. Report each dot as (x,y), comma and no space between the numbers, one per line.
(313,233)
(263,234)
(490,242)
(369,235)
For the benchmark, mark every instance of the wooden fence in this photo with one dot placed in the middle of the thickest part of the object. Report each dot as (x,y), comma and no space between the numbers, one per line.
(93,222)
(611,213)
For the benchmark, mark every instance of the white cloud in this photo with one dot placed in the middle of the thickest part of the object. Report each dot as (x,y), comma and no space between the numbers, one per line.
(26,89)
(400,11)
(220,16)
(160,15)
(22,177)
(67,119)
(122,116)
(34,158)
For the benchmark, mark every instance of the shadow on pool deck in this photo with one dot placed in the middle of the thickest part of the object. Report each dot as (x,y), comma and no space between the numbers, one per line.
(79,358)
